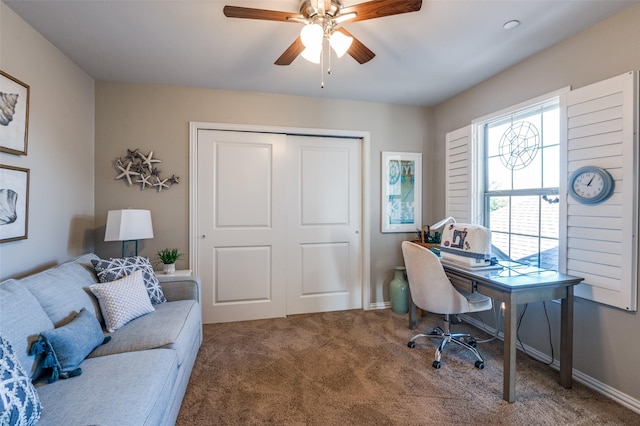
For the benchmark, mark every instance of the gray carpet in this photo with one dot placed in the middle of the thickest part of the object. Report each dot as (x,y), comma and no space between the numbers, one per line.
(354,367)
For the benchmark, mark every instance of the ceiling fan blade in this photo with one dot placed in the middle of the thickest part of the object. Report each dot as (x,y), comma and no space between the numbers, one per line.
(267,15)
(380,8)
(291,53)
(358,51)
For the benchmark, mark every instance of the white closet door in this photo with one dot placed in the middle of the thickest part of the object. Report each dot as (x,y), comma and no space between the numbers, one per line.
(323,224)
(241,225)
(278,224)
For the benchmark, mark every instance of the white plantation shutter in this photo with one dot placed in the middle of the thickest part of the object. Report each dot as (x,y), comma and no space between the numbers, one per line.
(458,174)
(602,239)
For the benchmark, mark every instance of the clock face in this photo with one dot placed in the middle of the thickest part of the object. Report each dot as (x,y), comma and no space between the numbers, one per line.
(591,185)
(588,185)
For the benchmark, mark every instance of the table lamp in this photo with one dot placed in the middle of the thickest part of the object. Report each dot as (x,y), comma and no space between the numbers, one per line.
(128,226)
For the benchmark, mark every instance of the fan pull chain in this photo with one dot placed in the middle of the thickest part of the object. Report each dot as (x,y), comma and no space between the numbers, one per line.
(322,67)
(329,67)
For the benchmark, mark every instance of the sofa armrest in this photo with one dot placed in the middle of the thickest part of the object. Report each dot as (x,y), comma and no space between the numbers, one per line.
(180,288)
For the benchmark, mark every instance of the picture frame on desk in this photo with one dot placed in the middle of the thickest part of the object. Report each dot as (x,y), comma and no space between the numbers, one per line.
(401,192)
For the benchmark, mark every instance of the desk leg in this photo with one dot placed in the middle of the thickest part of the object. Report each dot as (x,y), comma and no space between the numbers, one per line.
(566,339)
(509,369)
(412,314)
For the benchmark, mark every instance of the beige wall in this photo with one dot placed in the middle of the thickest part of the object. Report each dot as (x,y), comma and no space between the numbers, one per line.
(60,150)
(605,347)
(157,118)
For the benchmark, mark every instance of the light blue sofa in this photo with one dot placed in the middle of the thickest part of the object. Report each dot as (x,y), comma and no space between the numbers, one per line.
(138,378)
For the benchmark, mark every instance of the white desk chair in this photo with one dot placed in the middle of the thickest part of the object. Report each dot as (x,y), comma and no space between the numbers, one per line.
(432,291)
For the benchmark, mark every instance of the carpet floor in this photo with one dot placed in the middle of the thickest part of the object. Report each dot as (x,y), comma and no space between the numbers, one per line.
(354,367)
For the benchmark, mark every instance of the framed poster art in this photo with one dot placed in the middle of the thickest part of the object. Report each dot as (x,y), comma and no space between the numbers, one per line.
(14,115)
(14,203)
(401,209)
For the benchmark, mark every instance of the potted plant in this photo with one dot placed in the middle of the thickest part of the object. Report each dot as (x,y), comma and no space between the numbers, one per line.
(168,258)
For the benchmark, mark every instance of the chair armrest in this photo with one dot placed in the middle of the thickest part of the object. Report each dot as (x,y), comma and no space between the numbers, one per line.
(180,288)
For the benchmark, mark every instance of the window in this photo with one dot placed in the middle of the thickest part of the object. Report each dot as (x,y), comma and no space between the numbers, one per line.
(511,187)
(520,153)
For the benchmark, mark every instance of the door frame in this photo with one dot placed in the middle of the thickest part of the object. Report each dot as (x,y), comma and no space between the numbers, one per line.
(365,140)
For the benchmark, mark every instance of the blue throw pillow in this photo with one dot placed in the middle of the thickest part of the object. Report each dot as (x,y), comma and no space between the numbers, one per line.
(19,401)
(65,347)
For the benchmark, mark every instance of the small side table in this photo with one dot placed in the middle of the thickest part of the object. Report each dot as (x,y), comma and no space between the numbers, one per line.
(177,273)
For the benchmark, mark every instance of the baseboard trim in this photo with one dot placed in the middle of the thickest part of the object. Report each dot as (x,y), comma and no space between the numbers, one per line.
(380,305)
(580,377)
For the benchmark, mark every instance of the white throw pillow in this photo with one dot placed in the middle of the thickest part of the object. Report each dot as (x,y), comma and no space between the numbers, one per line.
(122,300)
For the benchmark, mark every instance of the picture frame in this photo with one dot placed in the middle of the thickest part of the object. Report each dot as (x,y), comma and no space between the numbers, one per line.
(401,195)
(14,115)
(14,203)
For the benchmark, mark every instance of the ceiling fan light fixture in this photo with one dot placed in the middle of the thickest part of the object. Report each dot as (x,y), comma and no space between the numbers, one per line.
(311,36)
(311,54)
(340,43)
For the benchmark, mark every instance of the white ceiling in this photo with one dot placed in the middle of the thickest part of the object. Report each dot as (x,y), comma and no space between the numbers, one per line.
(422,58)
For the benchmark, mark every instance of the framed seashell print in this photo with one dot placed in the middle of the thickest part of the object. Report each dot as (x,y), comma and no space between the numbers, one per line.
(14,115)
(14,203)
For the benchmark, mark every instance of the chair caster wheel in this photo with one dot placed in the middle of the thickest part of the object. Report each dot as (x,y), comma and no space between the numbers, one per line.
(411,344)
(480,365)
(436,364)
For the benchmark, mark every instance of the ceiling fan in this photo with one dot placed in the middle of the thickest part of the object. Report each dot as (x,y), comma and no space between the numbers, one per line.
(322,20)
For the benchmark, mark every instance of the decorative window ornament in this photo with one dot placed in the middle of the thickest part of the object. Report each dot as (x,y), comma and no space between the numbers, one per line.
(519,145)
(138,168)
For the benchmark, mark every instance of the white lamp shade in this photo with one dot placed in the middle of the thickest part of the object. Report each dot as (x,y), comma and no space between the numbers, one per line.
(312,55)
(311,36)
(340,43)
(129,224)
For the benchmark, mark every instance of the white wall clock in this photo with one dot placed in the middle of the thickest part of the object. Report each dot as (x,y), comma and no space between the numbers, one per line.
(591,185)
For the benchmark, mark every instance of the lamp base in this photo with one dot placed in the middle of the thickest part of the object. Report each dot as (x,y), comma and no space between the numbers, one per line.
(129,248)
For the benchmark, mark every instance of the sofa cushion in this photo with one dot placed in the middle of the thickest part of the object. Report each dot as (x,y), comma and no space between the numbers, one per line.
(19,401)
(115,268)
(64,290)
(173,325)
(67,346)
(22,319)
(122,300)
(132,388)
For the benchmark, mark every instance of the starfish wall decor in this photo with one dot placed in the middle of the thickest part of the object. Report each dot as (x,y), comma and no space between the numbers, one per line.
(138,168)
